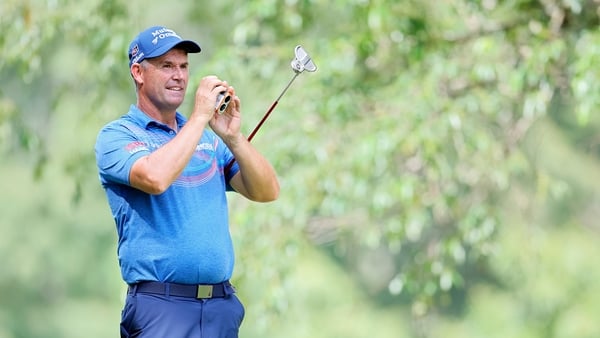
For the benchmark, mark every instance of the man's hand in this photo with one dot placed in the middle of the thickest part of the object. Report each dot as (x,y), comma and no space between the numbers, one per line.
(206,97)
(227,124)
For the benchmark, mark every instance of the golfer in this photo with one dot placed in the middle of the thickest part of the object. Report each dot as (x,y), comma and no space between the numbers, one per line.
(165,184)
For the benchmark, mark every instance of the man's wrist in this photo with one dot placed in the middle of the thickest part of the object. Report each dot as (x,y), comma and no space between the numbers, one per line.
(198,119)
(235,141)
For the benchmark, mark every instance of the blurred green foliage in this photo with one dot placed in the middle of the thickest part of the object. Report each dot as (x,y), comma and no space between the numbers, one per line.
(439,171)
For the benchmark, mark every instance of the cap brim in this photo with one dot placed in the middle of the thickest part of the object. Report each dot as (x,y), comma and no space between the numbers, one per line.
(189,46)
(186,45)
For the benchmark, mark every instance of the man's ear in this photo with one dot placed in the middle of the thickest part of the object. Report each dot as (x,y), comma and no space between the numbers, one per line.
(136,72)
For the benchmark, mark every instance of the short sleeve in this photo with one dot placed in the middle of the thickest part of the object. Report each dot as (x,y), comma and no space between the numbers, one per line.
(225,156)
(117,149)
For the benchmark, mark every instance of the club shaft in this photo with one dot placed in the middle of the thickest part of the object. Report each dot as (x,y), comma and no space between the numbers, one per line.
(286,87)
(230,164)
(264,118)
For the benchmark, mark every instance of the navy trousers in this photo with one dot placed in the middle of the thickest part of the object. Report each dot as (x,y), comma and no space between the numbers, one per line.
(148,315)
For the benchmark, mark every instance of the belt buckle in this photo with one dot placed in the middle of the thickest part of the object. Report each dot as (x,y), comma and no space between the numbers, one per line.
(204,291)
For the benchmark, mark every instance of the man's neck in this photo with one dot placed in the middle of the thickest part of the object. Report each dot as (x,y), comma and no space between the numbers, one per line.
(164,116)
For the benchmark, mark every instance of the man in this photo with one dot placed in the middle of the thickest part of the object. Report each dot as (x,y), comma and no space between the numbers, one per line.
(165,183)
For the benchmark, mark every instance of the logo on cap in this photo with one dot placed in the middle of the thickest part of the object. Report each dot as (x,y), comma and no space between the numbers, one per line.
(163,33)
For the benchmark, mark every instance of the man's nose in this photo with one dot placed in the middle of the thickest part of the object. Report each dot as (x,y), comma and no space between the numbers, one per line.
(178,72)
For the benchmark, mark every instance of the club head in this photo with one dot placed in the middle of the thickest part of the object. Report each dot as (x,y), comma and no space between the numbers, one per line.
(302,61)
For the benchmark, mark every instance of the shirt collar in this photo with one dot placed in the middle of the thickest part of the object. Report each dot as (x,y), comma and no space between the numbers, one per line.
(144,120)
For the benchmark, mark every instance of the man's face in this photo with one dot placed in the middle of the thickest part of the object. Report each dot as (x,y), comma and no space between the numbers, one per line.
(165,79)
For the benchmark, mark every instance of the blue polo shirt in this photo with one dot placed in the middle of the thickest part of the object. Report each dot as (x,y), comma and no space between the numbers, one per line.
(181,235)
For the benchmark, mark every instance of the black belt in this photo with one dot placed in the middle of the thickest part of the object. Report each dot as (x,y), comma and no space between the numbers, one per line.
(203,291)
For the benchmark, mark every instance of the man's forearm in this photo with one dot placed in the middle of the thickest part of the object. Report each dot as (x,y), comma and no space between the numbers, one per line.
(256,179)
(155,173)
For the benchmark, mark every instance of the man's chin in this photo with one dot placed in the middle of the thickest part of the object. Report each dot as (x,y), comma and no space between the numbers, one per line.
(175,102)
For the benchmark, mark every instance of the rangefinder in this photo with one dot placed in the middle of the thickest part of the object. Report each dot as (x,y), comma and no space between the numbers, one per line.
(222,102)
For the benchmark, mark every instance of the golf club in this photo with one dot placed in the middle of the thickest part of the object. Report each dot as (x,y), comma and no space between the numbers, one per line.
(301,62)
